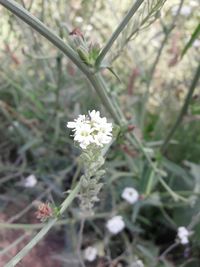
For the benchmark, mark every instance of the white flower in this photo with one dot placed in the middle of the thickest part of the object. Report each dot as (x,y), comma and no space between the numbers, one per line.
(91,129)
(77,123)
(186,10)
(83,135)
(79,19)
(89,27)
(137,263)
(130,195)
(115,225)
(183,235)
(196,43)
(90,254)
(30,181)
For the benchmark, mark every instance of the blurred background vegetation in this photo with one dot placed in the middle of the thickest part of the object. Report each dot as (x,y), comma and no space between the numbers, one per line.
(40,90)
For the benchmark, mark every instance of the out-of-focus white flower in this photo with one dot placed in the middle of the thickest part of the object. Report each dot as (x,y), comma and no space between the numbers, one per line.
(137,263)
(196,43)
(79,19)
(115,225)
(30,181)
(194,3)
(90,254)
(130,195)
(89,27)
(185,10)
(183,235)
(91,129)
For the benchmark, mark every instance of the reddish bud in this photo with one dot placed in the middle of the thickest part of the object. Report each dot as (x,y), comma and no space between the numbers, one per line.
(141,197)
(44,211)
(76,32)
(131,127)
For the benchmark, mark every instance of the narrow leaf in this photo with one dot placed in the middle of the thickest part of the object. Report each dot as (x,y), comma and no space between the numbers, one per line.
(194,36)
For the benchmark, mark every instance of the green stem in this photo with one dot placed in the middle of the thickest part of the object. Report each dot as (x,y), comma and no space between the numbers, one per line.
(13,245)
(194,222)
(167,33)
(150,183)
(15,260)
(183,110)
(118,30)
(99,85)
(173,194)
(70,198)
(35,226)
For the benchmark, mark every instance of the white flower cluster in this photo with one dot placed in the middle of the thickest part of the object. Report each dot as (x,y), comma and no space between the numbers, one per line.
(196,43)
(130,195)
(115,225)
(183,235)
(91,129)
(90,254)
(30,181)
(137,263)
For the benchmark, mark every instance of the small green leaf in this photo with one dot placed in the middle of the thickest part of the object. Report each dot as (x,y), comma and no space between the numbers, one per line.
(114,73)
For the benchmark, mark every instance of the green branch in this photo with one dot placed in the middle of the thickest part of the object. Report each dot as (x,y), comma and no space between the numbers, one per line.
(118,30)
(183,110)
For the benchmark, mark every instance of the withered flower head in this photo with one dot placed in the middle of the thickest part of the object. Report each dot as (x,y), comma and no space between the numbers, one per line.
(44,211)
(76,32)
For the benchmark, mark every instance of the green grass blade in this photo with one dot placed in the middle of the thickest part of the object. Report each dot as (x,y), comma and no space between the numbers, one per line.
(194,36)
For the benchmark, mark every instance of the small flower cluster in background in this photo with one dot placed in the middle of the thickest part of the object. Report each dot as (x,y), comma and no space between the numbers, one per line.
(183,235)
(90,254)
(30,181)
(115,225)
(137,263)
(130,194)
(91,129)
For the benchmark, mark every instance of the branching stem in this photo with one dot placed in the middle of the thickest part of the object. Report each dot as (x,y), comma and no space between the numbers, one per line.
(183,110)
(118,30)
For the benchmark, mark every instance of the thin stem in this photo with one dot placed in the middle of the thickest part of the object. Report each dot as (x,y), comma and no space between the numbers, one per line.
(150,183)
(15,260)
(32,227)
(118,30)
(183,110)
(80,239)
(14,244)
(195,220)
(59,81)
(100,87)
(167,33)
(174,195)
(173,246)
